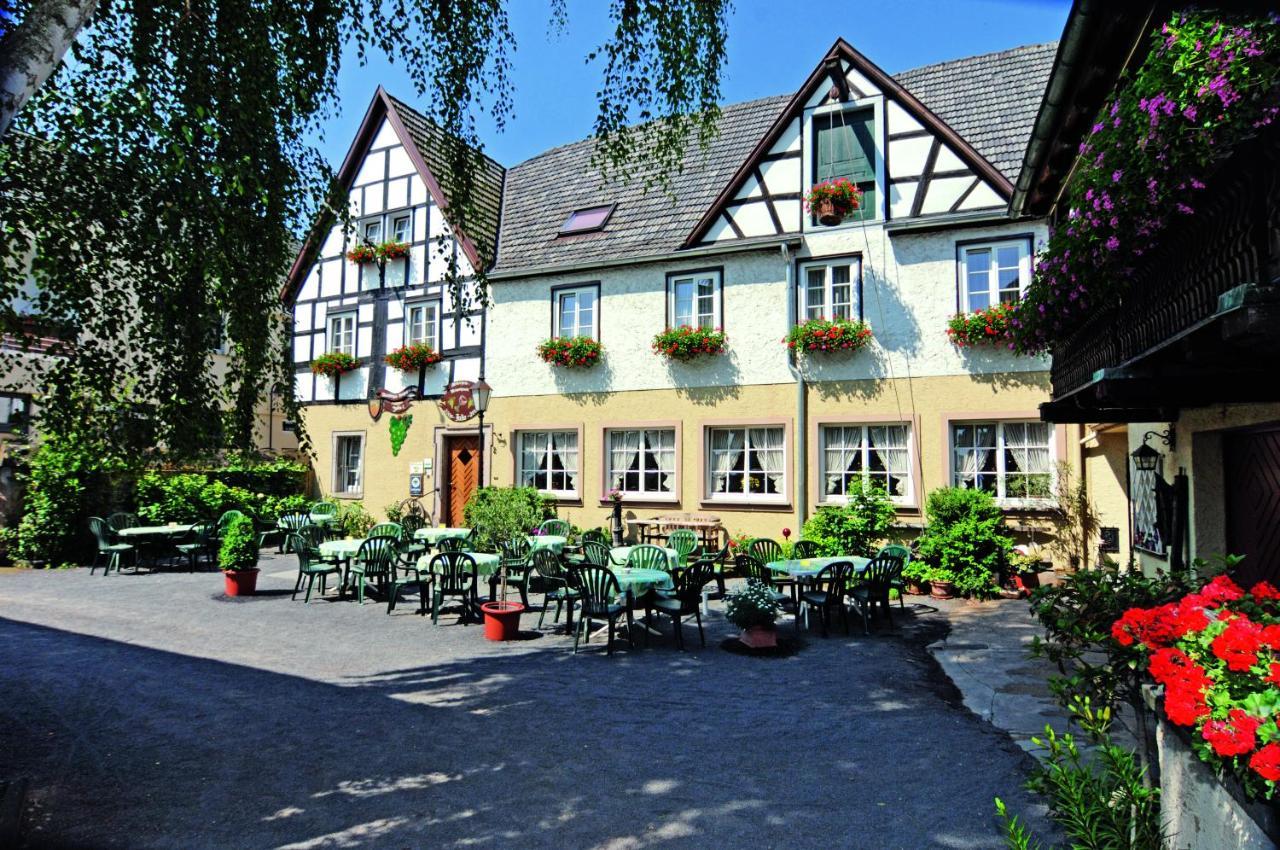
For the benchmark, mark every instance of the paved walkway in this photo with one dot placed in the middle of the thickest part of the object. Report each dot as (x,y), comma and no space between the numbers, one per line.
(151,711)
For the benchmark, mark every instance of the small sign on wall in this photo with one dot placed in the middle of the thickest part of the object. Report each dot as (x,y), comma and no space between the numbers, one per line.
(416,484)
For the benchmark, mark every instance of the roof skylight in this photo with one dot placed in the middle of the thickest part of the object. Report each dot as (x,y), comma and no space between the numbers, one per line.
(587,219)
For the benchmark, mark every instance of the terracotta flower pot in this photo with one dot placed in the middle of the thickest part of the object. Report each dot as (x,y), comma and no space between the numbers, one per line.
(942,589)
(829,214)
(917,588)
(760,637)
(241,582)
(501,620)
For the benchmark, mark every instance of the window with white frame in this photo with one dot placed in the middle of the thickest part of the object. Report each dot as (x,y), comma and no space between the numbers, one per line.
(876,455)
(549,461)
(994,273)
(1013,461)
(576,312)
(747,464)
(371,230)
(422,324)
(643,462)
(401,227)
(829,289)
(694,300)
(348,457)
(342,333)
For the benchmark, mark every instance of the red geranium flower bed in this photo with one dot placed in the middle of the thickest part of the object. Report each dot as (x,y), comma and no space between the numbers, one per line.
(1217,654)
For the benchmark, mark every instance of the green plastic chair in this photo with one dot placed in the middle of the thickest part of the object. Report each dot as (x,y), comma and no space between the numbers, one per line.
(595,553)
(595,535)
(200,545)
(598,587)
(313,535)
(387,529)
(765,550)
(454,574)
(323,509)
(804,549)
(871,587)
(646,557)
(685,600)
(451,544)
(108,547)
(224,521)
(897,583)
(754,570)
(375,560)
(829,589)
(685,542)
(122,519)
(516,561)
(557,527)
(290,523)
(555,580)
(309,569)
(407,573)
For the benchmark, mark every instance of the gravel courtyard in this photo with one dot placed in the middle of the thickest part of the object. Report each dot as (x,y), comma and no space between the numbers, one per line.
(150,711)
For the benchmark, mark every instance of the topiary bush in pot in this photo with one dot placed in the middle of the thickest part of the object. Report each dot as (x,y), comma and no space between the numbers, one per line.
(496,514)
(964,536)
(855,528)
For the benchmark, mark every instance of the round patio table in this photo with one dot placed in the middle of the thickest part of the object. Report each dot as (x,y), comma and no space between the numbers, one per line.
(434,535)
(343,549)
(154,532)
(486,562)
(635,582)
(619,554)
(805,568)
(554,542)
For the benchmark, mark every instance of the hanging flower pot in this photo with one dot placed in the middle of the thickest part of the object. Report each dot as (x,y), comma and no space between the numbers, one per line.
(832,200)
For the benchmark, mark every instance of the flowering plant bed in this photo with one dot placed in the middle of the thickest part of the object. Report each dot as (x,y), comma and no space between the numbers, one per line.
(334,364)
(832,200)
(411,358)
(686,343)
(571,352)
(822,335)
(981,327)
(1217,653)
(1208,82)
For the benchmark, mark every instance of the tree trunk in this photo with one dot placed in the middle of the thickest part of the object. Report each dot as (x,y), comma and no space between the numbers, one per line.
(31,52)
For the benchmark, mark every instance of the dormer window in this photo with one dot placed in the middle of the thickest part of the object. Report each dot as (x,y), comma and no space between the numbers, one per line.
(587,220)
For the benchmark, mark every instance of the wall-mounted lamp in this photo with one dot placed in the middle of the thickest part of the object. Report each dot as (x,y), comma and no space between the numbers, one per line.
(1145,458)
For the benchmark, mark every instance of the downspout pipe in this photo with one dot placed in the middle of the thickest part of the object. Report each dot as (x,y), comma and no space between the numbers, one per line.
(801,419)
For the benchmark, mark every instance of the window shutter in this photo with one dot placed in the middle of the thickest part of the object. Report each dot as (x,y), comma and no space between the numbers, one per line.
(845,147)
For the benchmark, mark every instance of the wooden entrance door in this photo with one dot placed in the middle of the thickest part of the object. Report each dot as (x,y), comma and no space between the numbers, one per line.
(1251,466)
(461,477)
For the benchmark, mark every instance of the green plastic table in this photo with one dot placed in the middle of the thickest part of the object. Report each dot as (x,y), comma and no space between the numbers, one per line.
(554,542)
(435,535)
(809,567)
(486,562)
(619,554)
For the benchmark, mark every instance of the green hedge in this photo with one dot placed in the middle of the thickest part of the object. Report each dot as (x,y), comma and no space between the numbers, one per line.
(194,496)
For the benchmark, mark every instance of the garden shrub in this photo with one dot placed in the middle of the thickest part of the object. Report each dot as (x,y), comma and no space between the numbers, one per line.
(964,538)
(239,549)
(855,528)
(187,497)
(499,513)
(353,520)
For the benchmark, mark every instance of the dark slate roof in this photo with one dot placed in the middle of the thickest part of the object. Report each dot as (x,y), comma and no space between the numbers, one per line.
(542,191)
(429,140)
(990,100)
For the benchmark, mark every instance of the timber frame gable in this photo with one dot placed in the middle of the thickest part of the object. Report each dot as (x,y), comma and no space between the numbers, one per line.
(922,166)
(383,106)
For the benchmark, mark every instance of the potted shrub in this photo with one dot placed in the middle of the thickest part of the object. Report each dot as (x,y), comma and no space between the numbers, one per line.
(942,582)
(238,557)
(965,537)
(686,343)
(754,610)
(818,335)
(413,358)
(832,200)
(571,352)
(990,327)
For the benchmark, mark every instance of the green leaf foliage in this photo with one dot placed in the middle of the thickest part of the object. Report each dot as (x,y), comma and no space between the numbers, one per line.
(496,514)
(239,550)
(855,528)
(963,542)
(165,497)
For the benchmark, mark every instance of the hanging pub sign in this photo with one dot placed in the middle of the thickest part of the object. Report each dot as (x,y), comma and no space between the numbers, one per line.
(389,402)
(456,403)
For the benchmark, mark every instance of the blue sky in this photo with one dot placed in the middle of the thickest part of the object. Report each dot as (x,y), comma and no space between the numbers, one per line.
(773,45)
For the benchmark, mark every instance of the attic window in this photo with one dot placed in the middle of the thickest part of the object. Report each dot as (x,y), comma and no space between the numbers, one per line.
(587,220)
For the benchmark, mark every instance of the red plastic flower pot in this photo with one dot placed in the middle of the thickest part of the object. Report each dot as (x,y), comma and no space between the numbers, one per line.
(241,582)
(501,620)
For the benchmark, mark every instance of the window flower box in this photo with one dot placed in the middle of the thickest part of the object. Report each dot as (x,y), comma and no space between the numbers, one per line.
(366,253)
(334,365)
(686,343)
(989,327)
(819,335)
(575,352)
(393,250)
(832,200)
(411,358)
(362,253)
